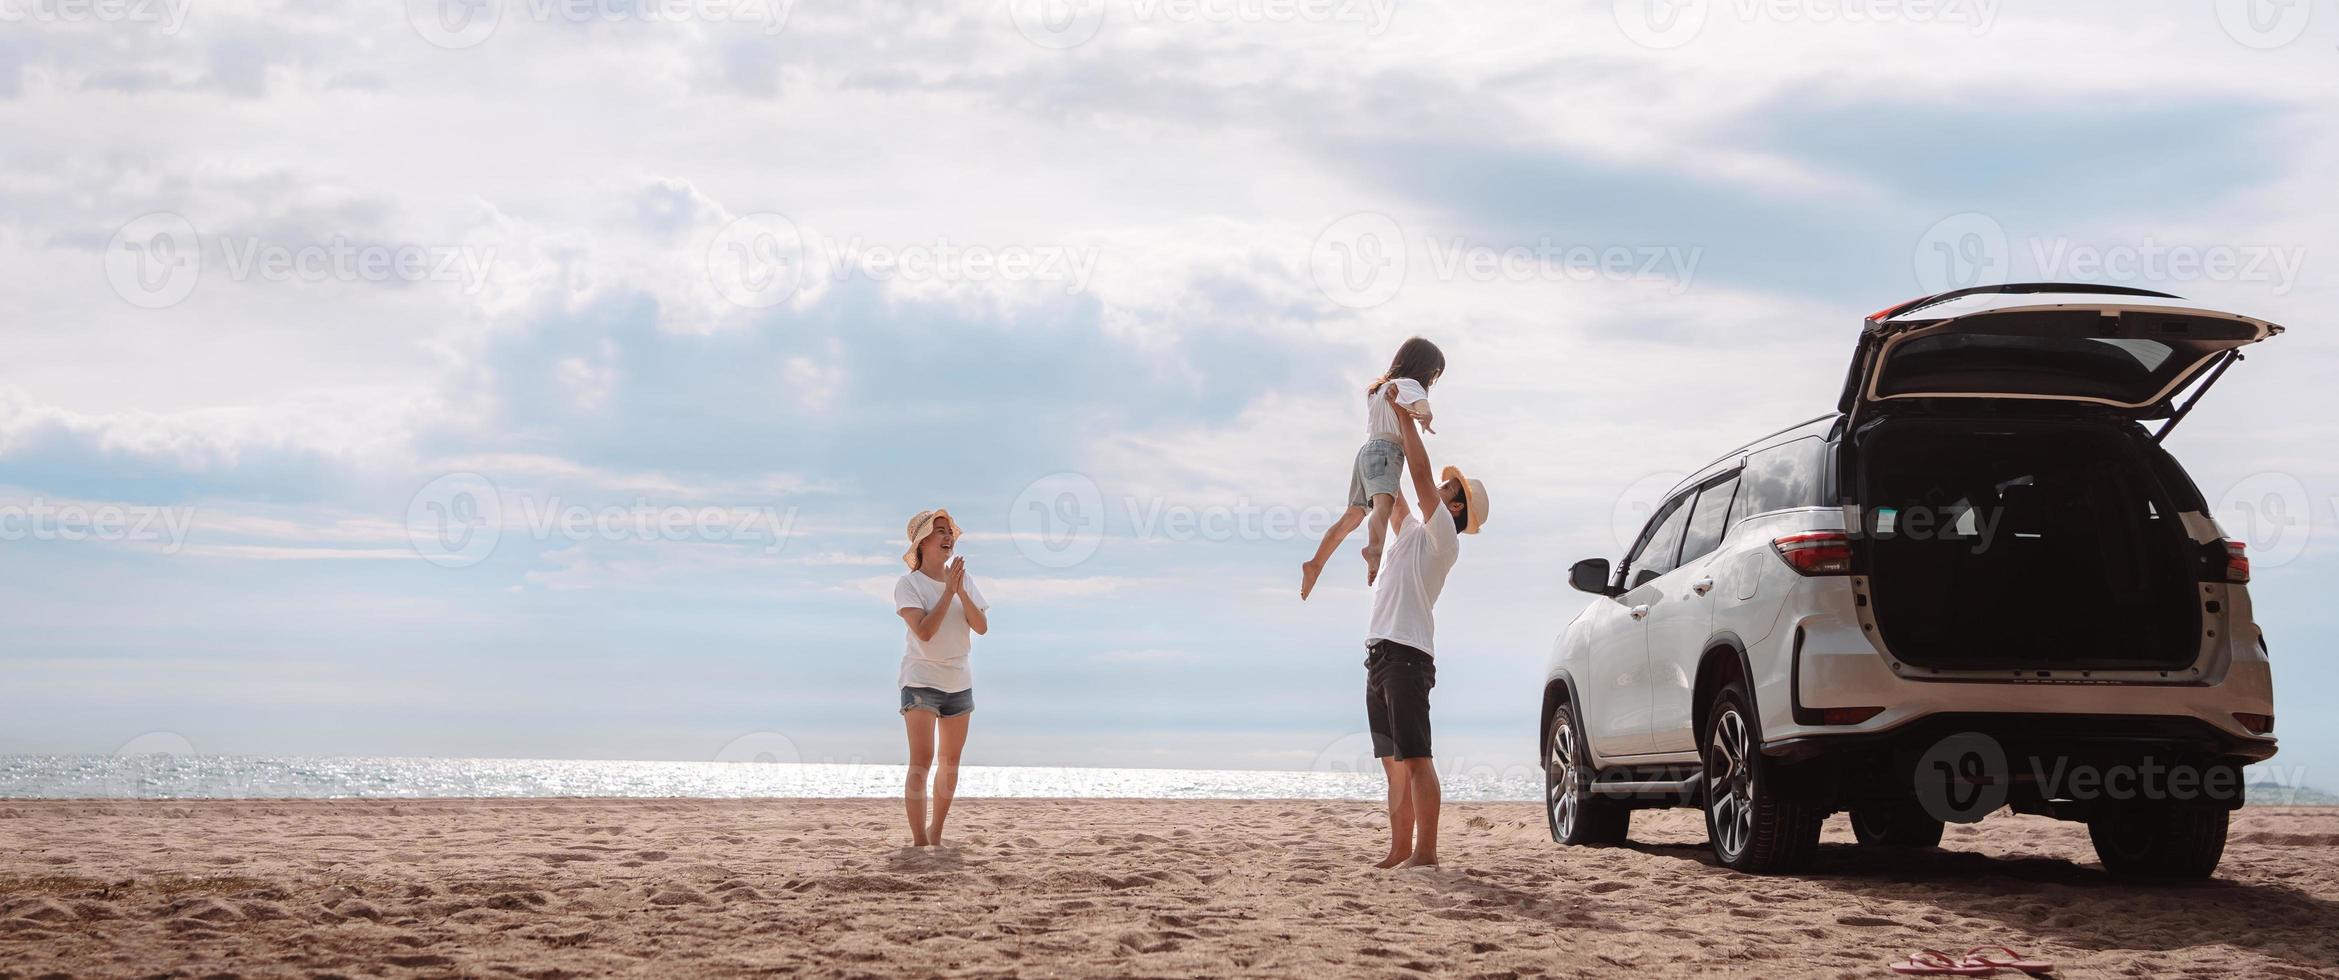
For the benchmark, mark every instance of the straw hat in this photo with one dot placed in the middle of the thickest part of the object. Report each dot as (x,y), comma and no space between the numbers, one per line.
(1473,497)
(920,526)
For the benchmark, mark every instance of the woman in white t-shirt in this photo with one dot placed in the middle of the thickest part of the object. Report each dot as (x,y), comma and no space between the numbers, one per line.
(944,611)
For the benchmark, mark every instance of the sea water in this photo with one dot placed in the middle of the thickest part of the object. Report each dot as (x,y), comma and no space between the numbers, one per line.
(173,777)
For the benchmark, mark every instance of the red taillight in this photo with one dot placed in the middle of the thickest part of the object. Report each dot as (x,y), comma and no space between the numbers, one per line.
(1816,552)
(1847,716)
(2225,561)
(2257,724)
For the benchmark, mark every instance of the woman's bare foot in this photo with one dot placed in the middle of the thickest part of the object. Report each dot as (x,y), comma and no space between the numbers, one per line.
(917,840)
(1372,564)
(1394,859)
(1423,861)
(1308,570)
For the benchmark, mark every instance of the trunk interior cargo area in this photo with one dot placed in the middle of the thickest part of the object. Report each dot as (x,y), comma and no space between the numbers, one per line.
(2028,546)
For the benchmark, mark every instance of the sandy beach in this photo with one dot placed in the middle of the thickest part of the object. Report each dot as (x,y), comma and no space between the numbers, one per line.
(564,888)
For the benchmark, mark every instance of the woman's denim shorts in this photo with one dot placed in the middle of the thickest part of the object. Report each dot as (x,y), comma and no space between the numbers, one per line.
(946,704)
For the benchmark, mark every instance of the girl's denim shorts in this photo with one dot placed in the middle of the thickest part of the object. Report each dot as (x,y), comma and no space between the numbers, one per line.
(946,704)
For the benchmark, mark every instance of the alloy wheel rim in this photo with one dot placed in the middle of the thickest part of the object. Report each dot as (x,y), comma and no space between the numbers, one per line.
(1561,775)
(1730,783)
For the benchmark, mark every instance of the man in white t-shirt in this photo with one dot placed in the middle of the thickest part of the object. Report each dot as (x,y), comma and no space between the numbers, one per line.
(1400,664)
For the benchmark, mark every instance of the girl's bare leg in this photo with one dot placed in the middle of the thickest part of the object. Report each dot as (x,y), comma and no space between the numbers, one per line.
(1384,511)
(1338,532)
(921,731)
(946,772)
(1400,813)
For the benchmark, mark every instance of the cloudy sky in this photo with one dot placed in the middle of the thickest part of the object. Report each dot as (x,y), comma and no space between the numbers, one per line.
(524,378)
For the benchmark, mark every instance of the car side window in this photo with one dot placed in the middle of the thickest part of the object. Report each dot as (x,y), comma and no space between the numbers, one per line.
(1709,520)
(1661,546)
(1782,477)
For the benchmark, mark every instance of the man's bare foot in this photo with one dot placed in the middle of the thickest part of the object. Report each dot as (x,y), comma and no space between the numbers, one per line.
(1422,861)
(1308,570)
(1394,859)
(1372,564)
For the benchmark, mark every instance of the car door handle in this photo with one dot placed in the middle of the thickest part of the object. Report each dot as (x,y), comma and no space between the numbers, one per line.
(1702,586)
(1640,611)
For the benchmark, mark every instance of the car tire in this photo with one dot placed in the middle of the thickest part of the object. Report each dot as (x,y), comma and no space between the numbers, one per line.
(2183,841)
(1902,823)
(1754,824)
(1578,816)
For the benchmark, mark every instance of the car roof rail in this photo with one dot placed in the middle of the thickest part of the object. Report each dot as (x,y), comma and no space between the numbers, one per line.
(2014,287)
(1745,447)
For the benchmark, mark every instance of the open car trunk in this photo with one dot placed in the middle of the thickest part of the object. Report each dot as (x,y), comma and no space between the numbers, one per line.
(2028,545)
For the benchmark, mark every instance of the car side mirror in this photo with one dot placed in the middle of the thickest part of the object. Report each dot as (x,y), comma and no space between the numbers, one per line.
(1590,575)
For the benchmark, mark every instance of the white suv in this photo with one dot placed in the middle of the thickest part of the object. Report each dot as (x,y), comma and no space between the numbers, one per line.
(1979,583)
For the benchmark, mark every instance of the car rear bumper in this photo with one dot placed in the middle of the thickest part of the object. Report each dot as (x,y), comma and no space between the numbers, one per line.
(2067,765)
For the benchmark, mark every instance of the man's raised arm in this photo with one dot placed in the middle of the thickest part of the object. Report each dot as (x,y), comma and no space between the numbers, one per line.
(1425,489)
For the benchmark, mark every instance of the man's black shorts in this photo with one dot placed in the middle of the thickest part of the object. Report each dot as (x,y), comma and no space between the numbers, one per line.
(1397,679)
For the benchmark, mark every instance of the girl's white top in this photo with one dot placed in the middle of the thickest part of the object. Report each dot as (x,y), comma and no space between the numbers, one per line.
(939,663)
(1380,419)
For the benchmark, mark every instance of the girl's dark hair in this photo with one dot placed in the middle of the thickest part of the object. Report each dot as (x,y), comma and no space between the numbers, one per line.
(1417,359)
